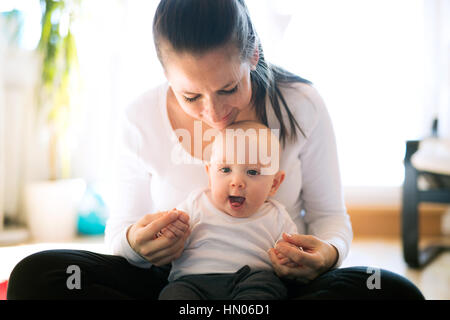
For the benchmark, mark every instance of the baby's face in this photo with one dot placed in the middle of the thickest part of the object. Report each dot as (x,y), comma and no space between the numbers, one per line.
(240,187)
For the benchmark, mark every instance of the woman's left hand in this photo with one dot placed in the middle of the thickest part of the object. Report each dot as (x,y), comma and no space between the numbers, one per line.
(302,257)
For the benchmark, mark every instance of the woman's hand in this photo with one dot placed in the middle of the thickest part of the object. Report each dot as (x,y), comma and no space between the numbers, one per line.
(302,257)
(160,237)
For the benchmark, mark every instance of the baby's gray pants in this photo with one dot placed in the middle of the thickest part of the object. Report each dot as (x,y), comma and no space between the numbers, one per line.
(244,284)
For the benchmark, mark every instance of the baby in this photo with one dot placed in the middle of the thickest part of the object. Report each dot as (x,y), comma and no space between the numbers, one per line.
(234,222)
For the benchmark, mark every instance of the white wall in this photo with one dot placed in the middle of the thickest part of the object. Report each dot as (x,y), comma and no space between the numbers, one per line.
(437,13)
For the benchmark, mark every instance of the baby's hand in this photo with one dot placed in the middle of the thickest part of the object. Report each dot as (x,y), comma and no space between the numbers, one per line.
(178,228)
(282,259)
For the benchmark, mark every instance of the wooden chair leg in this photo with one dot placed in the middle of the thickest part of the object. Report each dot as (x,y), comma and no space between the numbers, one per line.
(410,214)
(412,254)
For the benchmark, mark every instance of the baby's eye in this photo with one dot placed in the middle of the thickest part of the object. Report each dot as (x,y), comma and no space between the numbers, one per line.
(252,172)
(225,169)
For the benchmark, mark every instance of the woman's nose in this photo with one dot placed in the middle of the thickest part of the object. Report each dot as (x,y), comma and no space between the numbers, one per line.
(212,111)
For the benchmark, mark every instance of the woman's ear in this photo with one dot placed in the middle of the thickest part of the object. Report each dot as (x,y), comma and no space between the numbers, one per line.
(254,60)
(277,180)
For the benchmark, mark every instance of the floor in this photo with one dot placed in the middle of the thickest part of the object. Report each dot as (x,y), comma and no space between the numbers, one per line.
(433,281)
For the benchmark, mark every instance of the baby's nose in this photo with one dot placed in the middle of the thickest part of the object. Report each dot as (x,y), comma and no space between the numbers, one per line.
(237,183)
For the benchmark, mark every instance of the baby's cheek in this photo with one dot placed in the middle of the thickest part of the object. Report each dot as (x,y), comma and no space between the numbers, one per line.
(216,186)
(262,189)
(219,192)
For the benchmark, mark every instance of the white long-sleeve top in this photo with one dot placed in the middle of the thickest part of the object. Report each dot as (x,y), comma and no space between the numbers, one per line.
(220,243)
(151,178)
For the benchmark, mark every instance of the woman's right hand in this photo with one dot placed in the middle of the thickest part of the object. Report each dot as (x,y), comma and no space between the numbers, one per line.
(160,237)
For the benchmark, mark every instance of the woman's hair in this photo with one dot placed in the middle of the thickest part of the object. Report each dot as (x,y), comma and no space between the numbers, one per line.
(197,26)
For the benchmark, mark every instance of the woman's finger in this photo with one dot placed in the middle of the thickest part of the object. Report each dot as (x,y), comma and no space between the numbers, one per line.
(290,270)
(284,261)
(183,216)
(167,232)
(151,230)
(167,259)
(173,230)
(148,218)
(180,225)
(301,240)
(294,253)
(161,243)
(164,256)
(168,251)
(177,232)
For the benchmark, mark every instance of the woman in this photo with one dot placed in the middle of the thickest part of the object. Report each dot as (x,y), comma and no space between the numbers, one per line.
(217,74)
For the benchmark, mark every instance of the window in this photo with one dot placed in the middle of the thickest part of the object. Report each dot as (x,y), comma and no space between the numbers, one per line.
(366,58)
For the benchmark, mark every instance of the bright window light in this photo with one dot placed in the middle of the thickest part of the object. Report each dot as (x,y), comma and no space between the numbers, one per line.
(366,58)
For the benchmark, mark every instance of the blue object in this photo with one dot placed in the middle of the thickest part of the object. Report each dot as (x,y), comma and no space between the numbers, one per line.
(92,213)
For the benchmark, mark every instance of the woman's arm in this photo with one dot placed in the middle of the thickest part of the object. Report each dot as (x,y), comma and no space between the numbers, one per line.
(328,227)
(131,228)
(132,199)
(322,196)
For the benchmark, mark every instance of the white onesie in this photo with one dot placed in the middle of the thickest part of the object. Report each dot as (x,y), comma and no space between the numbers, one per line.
(220,243)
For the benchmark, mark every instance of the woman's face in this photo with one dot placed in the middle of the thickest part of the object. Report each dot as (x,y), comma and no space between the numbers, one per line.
(214,87)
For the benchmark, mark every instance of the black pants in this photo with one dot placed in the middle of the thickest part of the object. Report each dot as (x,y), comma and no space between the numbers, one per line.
(49,275)
(245,284)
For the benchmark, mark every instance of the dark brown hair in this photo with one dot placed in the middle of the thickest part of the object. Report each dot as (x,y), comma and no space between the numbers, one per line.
(197,26)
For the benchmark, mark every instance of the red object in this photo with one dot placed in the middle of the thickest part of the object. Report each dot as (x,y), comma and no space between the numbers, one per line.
(3,288)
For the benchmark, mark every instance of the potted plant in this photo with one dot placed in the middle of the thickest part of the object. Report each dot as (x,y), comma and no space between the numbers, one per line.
(51,204)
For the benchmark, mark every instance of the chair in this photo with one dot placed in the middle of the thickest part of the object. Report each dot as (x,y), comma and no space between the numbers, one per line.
(439,192)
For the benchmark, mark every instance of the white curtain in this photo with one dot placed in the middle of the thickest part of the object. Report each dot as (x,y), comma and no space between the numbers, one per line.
(18,73)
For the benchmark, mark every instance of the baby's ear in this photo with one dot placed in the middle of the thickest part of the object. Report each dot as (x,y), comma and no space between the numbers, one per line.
(277,180)
(207,167)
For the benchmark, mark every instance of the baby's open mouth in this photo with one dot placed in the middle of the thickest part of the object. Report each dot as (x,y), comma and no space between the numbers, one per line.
(236,202)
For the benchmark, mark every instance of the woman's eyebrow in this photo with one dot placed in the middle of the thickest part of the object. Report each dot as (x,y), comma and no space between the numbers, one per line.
(223,88)
(227,85)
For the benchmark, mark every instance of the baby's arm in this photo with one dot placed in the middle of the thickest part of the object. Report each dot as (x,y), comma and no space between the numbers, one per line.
(289,227)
